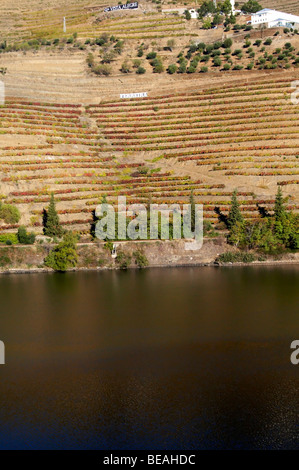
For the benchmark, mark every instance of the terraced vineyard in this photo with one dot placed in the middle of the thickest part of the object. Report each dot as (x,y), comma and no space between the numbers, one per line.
(65,130)
(213,140)
(23,20)
(18,18)
(88,20)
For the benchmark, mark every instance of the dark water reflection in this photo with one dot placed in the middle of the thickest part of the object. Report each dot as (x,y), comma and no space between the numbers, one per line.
(162,359)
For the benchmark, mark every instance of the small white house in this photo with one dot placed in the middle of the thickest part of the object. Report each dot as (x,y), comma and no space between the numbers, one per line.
(272,18)
(193,14)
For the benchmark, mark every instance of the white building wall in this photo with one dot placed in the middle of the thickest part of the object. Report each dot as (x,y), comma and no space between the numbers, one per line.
(232,2)
(270,17)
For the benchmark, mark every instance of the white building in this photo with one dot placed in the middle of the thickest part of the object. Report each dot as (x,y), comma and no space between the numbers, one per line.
(273,18)
(193,13)
(232,2)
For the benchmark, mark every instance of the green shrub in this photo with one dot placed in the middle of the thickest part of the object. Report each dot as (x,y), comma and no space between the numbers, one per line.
(10,214)
(217,62)
(123,260)
(170,44)
(126,67)
(136,63)
(191,69)
(207,24)
(172,68)
(183,67)
(193,48)
(140,70)
(108,57)
(157,66)
(4,260)
(205,58)
(109,246)
(9,237)
(235,257)
(151,55)
(237,51)
(102,69)
(63,256)
(25,238)
(187,15)
(209,49)
(140,259)
(119,46)
(90,60)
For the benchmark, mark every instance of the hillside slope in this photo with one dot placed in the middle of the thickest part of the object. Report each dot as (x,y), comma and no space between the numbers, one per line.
(241,136)
(65,130)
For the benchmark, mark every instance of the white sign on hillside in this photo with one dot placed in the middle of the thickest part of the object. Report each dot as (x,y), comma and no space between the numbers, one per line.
(2,93)
(134,95)
(127,6)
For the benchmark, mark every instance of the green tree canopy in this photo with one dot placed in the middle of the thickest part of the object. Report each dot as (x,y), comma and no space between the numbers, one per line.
(206,7)
(252,6)
(64,255)
(269,234)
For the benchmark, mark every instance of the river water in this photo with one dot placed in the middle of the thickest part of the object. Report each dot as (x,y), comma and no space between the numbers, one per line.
(187,358)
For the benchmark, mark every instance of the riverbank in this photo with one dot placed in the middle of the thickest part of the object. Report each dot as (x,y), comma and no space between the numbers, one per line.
(19,259)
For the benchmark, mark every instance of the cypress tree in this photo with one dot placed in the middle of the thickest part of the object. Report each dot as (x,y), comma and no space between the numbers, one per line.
(192,207)
(279,209)
(234,213)
(52,227)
